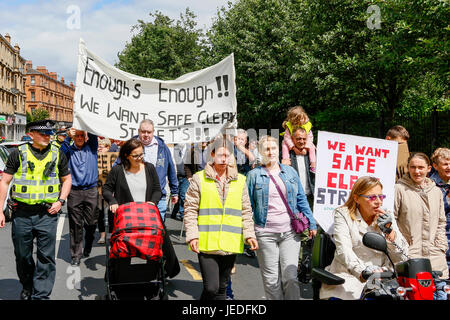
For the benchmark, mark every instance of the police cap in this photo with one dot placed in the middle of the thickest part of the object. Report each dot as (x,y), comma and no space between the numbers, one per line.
(43,126)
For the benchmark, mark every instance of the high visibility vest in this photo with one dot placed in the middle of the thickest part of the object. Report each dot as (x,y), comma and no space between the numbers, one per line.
(307,126)
(30,185)
(220,227)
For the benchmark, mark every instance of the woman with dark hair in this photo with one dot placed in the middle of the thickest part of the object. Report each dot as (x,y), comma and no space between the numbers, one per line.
(419,210)
(133,180)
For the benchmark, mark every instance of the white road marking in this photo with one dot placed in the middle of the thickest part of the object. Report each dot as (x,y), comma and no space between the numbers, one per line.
(59,231)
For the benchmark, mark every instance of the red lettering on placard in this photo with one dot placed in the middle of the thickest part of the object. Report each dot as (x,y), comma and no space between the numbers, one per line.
(341,182)
(370,165)
(334,145)
(348,163)
(353,179)
(369,151)
(336,161)
(359,163)
(331,176)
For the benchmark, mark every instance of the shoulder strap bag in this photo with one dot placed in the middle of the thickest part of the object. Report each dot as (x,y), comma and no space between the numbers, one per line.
(299,222)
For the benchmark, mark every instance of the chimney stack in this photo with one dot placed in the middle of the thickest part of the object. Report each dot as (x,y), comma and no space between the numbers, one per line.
(28,65)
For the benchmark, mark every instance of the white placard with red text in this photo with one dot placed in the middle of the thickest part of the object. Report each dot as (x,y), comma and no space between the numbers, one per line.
(341,160)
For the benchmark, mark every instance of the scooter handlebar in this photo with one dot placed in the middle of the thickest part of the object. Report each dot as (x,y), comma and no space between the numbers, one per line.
(381,275)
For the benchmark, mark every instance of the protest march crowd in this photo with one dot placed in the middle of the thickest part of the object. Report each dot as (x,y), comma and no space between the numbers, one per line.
(235,195)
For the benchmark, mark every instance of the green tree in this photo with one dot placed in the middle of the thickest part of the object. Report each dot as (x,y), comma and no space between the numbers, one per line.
(323,55)
(37,114)
(163,49)
(265,37)
(351,65)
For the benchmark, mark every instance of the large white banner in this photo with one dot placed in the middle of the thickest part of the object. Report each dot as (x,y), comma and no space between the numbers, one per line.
(341,160)
(192,108)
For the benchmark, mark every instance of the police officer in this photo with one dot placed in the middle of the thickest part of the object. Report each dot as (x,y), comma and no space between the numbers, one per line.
(38,169)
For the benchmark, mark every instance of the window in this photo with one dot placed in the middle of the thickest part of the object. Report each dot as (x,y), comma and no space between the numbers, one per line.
(33,80)
(33,97)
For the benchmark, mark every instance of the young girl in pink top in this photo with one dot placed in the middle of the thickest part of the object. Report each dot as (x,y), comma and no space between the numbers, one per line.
(297,117)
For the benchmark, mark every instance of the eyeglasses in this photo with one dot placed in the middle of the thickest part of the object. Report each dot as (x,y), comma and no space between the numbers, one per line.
(137,156)
(374,197)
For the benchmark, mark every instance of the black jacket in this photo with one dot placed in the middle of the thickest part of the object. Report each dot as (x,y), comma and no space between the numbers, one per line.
(310,175)
(116,191)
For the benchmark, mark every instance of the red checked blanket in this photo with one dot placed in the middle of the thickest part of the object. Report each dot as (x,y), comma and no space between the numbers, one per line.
(138,232)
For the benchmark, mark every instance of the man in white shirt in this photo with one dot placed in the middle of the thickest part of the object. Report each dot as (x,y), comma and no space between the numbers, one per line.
(301,164)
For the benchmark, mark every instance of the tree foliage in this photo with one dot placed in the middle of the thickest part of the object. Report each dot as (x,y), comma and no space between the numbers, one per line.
(163,49)
(321,54)
(37,114)
(265,37)
(353,66)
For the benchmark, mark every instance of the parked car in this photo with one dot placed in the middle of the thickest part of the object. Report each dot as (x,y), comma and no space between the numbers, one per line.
(26,138)
(4,153)
(12,144)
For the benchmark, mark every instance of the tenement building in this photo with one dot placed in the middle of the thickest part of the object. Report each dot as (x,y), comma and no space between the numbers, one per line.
(44,91)
(12,90)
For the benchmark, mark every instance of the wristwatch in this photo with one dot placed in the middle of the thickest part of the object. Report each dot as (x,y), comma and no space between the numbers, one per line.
(62,201)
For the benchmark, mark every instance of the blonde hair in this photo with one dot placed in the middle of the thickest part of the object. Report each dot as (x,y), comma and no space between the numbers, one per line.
(439,153)
(296,116)
(362,185)
(264,140)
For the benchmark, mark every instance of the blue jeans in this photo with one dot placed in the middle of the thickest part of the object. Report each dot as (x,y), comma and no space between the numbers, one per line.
(183,185)
(37,276)
(162,207)
(439,294)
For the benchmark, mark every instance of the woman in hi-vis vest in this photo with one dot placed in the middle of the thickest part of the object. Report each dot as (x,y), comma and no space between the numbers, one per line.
(218,219)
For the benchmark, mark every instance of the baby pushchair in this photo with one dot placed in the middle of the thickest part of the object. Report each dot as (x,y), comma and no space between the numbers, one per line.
(135,263)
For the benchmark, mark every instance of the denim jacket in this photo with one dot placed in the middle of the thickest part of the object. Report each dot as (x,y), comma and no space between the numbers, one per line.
(258,190)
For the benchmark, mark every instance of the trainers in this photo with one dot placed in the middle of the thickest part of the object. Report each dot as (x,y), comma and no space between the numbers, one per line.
(101,240)
(25,294)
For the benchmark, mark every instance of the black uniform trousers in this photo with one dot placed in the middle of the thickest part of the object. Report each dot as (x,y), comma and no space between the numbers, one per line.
(81,206)
(34,222)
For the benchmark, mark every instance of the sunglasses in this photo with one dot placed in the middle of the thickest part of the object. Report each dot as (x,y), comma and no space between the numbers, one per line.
(374,197)
(137,156)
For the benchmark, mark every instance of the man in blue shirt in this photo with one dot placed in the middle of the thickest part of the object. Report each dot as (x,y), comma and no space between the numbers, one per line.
(82,200)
